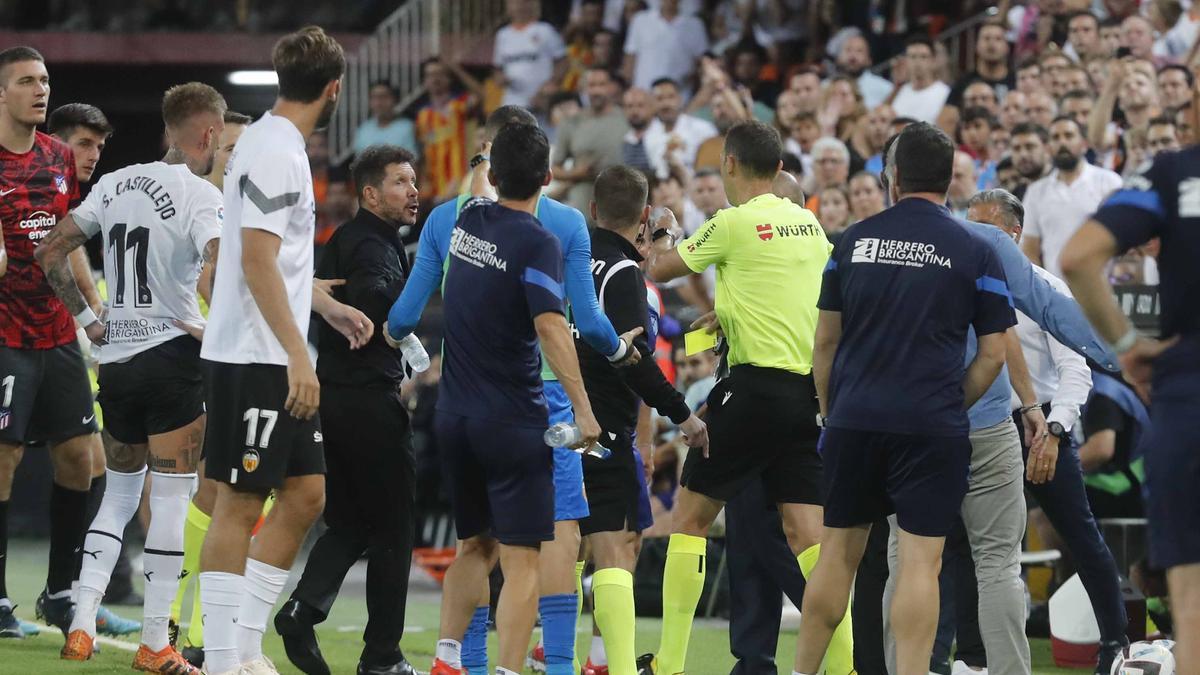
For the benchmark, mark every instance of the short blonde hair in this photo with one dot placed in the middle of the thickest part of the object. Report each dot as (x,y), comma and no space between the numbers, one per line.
(184,101)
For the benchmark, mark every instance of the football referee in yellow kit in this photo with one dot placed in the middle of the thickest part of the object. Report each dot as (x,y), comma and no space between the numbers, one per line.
(762,419)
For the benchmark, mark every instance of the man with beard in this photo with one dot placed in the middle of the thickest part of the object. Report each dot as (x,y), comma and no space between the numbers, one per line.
(1028,149)
(262,389)
(854,59)
(370,487)
(1057,205)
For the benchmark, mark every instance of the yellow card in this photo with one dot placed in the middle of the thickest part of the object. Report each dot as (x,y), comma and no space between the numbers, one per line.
(699,340)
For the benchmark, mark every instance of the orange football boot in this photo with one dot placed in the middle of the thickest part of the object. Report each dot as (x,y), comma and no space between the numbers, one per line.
(79,646)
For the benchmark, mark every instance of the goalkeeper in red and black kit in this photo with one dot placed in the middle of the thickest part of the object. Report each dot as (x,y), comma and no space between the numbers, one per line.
(612,487)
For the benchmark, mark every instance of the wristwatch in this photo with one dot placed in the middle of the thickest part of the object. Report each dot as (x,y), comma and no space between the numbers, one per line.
(479,159)
(663,232)
(1056,430)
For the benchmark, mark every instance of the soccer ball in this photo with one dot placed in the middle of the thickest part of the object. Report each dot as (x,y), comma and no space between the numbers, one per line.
(1146,658)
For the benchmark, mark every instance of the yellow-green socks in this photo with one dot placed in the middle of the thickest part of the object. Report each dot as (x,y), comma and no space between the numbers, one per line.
(194,530)
(580,565)
(612,589)
(839,658)
(683,582)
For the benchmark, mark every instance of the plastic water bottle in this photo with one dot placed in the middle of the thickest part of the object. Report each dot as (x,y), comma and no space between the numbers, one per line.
(563,435)
(414,353)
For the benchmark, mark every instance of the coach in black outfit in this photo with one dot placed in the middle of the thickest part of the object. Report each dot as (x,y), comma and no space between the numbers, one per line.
(370,485)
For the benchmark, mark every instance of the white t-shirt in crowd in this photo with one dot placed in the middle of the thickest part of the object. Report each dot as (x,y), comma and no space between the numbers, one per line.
(155,219)
(664,48)
(615,9)
(527,56)
(922,105)
(268,186)
(1054,210)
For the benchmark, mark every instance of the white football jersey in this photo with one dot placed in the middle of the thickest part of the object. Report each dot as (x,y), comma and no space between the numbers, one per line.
(268,186)
(155,220)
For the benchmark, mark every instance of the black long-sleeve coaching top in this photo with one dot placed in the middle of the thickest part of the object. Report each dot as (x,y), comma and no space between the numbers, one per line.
(367,252)
(615,392)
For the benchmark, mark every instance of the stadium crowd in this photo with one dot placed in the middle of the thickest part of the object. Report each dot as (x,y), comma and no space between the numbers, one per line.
(1055,106)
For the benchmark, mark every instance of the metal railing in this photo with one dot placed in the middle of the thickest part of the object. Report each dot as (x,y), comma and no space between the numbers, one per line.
(959,41)
(418,30)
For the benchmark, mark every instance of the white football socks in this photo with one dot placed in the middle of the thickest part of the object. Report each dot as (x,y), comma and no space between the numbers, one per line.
(449,652)
(163,559)
(220,596)
(264,583)
(102,544)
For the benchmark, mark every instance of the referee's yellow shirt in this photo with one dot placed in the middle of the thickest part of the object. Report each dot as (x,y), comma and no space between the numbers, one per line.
(770,254)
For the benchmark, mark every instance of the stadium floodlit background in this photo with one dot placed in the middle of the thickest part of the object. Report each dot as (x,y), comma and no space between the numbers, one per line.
(832,75)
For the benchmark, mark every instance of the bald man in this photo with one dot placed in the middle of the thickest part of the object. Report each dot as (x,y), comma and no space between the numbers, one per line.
(787,187)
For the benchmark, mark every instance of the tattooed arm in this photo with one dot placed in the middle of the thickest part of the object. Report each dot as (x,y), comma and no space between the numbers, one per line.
(205,286)
(52,254)
(81,269)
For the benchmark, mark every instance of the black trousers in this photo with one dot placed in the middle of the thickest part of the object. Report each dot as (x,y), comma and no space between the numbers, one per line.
(761,565)
(370,492)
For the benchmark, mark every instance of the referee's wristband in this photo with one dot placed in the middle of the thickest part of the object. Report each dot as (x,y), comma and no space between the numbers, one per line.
(1126,342)
(622,350)
(86,317)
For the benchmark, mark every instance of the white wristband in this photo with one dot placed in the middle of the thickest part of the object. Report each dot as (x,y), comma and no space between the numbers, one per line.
(86,317)
(622,350)
(1126,342)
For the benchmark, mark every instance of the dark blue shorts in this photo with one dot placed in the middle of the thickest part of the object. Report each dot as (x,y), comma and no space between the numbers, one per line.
(1172,449)
(872,474)
(501,479)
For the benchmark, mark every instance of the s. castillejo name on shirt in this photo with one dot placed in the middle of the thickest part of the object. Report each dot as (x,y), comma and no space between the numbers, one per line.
(897,252)
(472,249)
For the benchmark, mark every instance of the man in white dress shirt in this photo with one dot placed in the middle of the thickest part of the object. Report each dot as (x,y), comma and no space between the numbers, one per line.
(1061,381)
(1058,204)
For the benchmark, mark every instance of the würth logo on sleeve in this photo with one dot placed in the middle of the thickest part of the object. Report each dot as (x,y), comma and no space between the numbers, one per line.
(765,232)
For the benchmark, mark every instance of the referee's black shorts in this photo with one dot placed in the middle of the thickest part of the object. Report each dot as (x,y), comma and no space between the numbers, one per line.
(612,488)
(761,424)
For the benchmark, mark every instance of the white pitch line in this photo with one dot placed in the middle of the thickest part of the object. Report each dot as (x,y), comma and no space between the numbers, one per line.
(106,641)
